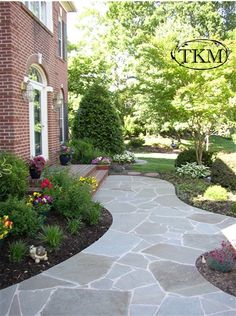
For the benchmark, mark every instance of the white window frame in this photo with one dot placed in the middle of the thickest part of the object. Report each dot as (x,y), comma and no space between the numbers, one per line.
(61,39)
(42,87)
(49,20)
(62,121)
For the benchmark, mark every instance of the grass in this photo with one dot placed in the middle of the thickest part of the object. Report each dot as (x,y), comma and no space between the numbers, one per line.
(216,143)
(156,165)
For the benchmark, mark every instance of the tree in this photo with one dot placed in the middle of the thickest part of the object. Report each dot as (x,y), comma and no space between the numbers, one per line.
(98,121)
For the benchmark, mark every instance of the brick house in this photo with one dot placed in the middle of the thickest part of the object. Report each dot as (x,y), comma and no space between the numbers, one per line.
(33,77)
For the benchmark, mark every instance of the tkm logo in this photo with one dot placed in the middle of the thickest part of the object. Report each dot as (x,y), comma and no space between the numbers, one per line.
(201,54)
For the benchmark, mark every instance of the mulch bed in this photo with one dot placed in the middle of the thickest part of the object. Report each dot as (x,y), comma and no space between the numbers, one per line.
(12,273)
(226,281)
(155,149)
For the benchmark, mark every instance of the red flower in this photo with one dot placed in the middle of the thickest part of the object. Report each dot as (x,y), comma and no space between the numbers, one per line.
(46,184)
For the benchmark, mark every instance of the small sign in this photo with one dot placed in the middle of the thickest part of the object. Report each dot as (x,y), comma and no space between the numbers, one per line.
(230,234)
(201,54)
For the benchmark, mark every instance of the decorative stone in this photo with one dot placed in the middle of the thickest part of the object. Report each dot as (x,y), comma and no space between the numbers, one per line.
(38,253)
(134,173)
(148,295)
(150,229)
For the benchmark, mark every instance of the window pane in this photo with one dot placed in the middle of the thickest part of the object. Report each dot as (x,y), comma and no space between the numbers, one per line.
(34,75)
(43,12)
(37,123)
(34,7)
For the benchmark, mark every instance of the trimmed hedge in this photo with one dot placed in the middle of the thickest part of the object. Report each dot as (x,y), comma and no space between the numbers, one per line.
(97,120)
(189,155)
(223,170)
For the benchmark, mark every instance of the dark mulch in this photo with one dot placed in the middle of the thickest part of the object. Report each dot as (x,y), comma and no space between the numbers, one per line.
(226,281)
(11,273)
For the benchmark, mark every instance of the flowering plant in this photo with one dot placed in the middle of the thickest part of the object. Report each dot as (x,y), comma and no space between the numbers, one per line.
(222,259)
(37,163)
(193,170)
(5,226)
(42,203)
(90,181)
(101,161)
(126,157)
(46,184)
(65,150)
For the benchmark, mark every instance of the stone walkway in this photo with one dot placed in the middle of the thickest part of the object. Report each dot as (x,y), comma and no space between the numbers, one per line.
(144,265)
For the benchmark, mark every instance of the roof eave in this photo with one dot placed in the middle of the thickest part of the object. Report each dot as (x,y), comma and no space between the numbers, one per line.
(69,6)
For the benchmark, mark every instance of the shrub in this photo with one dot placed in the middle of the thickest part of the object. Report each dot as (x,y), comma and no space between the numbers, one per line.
(18,250)
(216,193)
(190,156)
(14,172)
(52,236)
(93,214)
(223,170)
(97,120)
(136,142)
(74,226)
(84,152)
(126,157)
(193,170)
(72,201)
(25,218)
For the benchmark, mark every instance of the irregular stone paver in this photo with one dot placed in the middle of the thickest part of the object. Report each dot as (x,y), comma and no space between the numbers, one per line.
(74,269)
(202,241)
(133,259)
(134,279)
(150,229)
(141,310)
(6,297)
(180,306)
(175,253)
(87,303)
(143,265)
(37,300)
(148,295)
(207,218)
(43,282)
(15,307)
(179,278)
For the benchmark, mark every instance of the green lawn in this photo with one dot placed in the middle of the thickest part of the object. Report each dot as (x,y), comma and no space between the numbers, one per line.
(218,143)
(156,165)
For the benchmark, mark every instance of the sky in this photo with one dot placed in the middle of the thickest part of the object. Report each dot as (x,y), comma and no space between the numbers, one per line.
(73,33)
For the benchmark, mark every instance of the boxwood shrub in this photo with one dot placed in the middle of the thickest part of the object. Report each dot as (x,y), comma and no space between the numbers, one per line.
(189,155)
(223,170)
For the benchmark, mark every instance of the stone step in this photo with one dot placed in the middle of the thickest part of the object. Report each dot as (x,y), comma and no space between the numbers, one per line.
(100,176)
(82,170)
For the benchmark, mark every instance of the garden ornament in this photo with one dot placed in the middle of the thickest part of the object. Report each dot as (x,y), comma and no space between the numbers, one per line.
(38,253)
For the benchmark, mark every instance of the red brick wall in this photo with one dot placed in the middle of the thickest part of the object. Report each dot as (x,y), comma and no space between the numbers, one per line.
(21,36)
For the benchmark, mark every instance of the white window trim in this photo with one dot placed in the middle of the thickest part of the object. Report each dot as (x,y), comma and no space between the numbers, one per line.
(49,18)
(60,54)
(61,119)
(42,87)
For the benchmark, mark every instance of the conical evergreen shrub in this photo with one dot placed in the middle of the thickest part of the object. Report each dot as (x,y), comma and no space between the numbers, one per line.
(98,121)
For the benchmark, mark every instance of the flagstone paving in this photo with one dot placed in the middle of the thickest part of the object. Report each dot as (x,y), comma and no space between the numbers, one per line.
(144,265)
